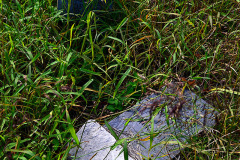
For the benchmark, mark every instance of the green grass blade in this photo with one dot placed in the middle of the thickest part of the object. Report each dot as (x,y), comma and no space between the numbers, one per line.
(28,152)
(71,128)
(111,131)
(116,39)
(82,89)
(121,80)
(71,34)
(152,131)
(90,72)
(122,23)
(125,150)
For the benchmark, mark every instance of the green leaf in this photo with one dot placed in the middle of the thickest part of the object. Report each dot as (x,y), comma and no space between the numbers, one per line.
(102,70)
(111,130)
(166,114)
(111,108)
(196,78)
(90,72)
(18,90)
(82,89)
(116,39)
(151,132)
(34,156)
(125,150)
(113,101)
(71,30)
(66,152)
(34,58)
(122,23)
(120,81)
(55,143)
(71,128)
(119,142)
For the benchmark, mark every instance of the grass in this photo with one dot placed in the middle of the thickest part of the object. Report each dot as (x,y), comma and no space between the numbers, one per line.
(57,72)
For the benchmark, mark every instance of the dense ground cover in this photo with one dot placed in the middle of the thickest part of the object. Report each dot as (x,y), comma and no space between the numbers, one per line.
(58,71)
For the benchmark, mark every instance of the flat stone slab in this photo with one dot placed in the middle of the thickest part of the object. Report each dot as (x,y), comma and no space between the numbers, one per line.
(172,116)
(95,144)
(177,114)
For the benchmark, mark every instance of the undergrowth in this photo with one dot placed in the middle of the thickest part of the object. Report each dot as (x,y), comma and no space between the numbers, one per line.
(58,71)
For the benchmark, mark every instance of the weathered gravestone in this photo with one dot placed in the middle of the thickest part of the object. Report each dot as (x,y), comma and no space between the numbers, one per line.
(81,6)
(175,116)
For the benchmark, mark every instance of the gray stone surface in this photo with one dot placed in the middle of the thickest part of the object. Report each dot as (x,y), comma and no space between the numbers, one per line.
(186,115)
(176,115)
(95,144)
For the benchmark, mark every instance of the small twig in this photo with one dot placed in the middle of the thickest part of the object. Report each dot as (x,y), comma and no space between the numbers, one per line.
(153,90)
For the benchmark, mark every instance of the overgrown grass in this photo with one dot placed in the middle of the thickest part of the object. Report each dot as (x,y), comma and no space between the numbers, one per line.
(55,75)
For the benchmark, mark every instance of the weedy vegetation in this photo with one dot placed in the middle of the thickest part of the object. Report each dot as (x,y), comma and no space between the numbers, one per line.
(58,71)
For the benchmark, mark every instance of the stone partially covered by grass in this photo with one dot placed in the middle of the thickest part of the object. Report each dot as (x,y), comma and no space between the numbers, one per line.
(57,72)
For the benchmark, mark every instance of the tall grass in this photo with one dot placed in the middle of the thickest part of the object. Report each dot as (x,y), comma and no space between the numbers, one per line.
(57,72)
